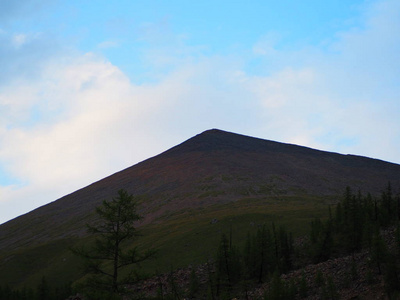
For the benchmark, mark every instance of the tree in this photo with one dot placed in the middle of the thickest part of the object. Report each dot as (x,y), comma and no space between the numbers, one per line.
(379,250)
(263,253)
(43,290)
(107,258)
(321,240)
(228,266)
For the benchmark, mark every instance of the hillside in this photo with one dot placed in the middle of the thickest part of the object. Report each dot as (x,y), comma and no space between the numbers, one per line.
(213,167)
(216,173)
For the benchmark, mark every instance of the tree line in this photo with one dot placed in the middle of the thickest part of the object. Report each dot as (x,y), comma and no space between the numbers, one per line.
(42,291)
(354,223)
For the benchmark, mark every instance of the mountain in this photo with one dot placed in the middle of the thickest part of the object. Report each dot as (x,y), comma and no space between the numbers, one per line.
(211,170)
(212,167)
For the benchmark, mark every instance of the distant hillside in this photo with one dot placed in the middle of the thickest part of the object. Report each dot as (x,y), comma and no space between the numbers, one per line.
(214,167)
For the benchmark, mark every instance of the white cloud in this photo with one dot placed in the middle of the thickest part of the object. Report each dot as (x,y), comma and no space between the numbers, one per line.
(284,87)
(92,100)
(70,119)
(93,122)
(343,97)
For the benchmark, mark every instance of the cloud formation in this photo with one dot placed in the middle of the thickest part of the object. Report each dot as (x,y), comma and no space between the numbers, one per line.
(70,118)
(343,96)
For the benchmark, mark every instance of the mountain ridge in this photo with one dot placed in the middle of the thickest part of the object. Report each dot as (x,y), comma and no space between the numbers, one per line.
(219,136)
(212,167)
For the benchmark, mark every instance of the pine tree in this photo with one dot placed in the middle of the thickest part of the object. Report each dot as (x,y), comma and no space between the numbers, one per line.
(391,277)
(285,250)
(388,207)
(321,240)
(43,291)
(107,258)
(263,243)
(229,269)
(378,250)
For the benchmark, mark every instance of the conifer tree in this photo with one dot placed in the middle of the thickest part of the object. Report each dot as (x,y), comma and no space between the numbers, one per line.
(228,265)
(378,250)
(285,250)
(263,253)
(321,240)
(108,257)
(43,290)
(391,277)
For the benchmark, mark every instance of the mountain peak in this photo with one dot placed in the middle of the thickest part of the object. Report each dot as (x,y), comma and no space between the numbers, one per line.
(227,164)
(213,173)
(213,131)
(216,139)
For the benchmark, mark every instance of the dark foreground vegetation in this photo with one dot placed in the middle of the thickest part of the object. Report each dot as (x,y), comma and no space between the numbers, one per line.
(356,224)
(43,291)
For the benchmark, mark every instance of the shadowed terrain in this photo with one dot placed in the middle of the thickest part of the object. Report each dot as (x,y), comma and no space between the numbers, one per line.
(211,170)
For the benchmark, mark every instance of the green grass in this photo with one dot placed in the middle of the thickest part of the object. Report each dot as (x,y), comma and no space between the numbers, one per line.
(181,238)
(27,266)
(190,237)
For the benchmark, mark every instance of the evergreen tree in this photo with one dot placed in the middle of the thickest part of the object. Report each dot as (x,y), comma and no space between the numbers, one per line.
(228,266)
(321,240)
(248,257)
(262,249)
(391,277)
(351,226)
(43,291)
(107,258)
(378,251)
(388,210)
(212,293)
(354,218)
(279,289)
(286,250)
(397,202)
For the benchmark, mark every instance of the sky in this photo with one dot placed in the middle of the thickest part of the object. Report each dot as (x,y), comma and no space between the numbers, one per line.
(88,88)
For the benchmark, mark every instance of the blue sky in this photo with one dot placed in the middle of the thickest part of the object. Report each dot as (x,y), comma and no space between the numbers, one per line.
(88,88)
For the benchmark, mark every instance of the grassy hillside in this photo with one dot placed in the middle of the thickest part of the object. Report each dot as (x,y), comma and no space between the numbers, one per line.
(181,238)
(214,167)
(189,195)
(192,236)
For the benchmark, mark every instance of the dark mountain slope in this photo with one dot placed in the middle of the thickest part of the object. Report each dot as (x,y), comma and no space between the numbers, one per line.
(214,167)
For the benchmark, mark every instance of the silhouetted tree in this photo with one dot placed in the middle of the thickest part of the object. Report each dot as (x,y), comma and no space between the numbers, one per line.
(262,251)
(107,258)
(286,250)
(228,266)
(321,238)
(391,277)
(379,250)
